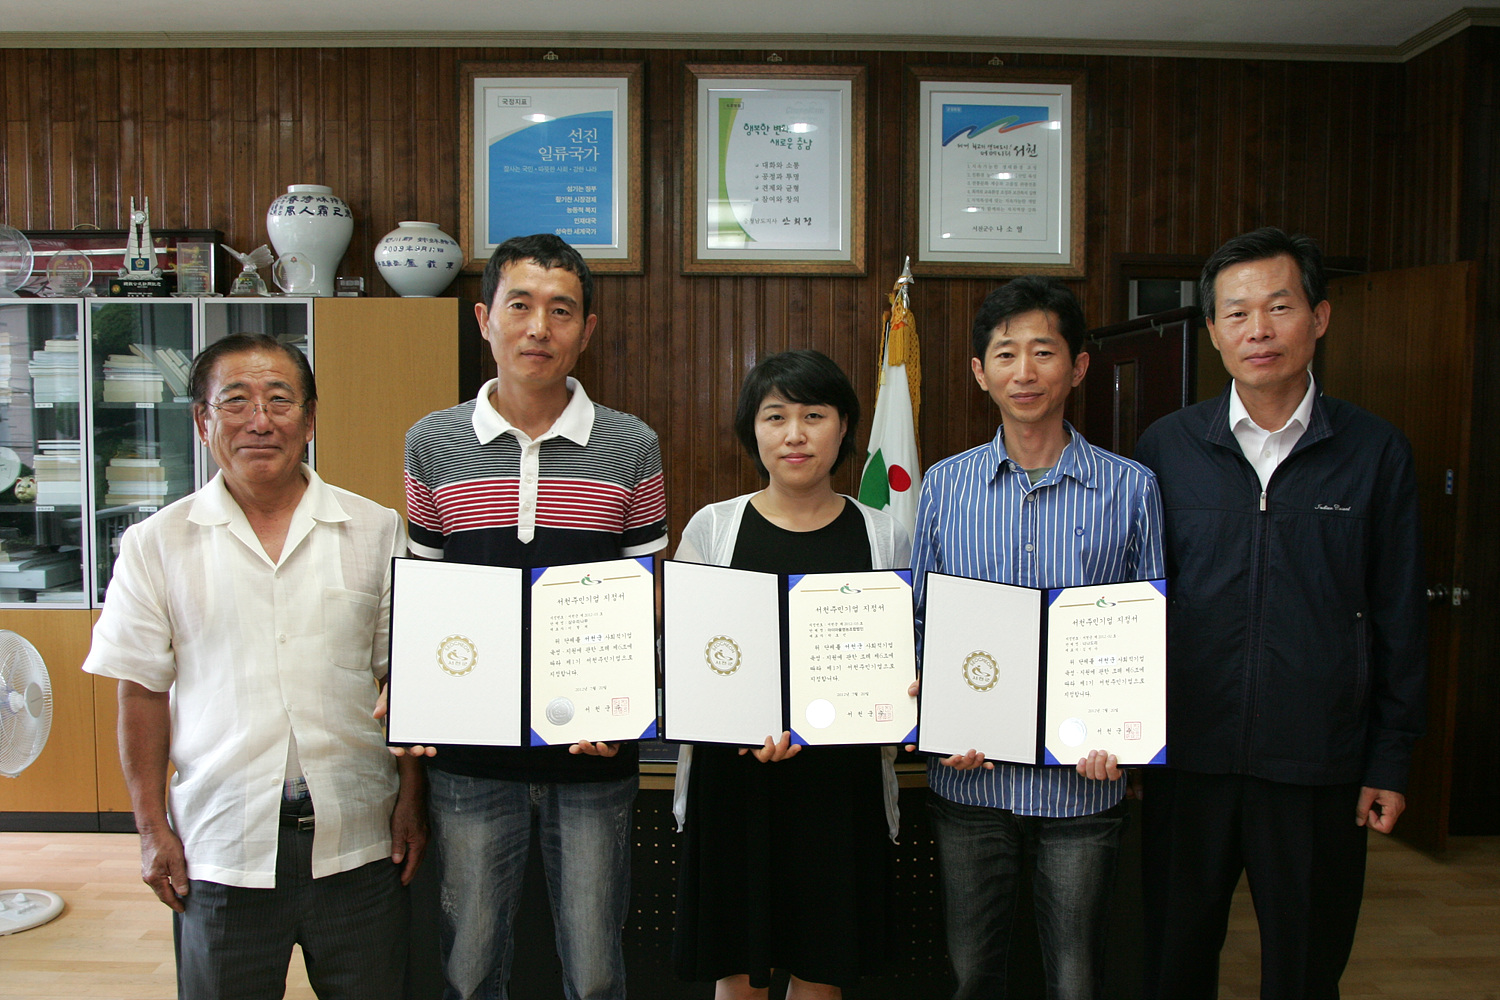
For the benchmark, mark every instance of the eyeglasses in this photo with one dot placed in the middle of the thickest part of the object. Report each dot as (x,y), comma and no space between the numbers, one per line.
(238,409)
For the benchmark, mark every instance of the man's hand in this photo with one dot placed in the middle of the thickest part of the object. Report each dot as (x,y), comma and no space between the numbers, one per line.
(144,728)
(1100,766)
(595,749)
(774,749)
(409,819)
(164,867)
(1379,809)
(381,707)
(967,761)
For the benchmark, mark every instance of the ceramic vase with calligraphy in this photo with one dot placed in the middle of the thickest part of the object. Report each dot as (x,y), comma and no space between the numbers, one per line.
(418,259)
(313,222)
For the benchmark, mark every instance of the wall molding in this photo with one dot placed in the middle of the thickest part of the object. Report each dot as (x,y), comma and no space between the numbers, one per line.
(779,43)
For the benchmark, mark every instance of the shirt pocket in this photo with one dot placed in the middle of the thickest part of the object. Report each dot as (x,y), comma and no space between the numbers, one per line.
(349,627)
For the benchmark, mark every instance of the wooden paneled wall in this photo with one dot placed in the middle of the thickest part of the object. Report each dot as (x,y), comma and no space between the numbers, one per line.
(1181,153)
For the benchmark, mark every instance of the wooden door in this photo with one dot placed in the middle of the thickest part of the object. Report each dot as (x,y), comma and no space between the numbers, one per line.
(1139,371)
(1401,344)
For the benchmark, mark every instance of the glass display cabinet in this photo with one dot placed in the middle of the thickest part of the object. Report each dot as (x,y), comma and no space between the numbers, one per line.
(141,425)
(96,421)
(43,547)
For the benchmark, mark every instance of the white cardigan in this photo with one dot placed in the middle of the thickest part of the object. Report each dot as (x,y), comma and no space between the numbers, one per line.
(710,537)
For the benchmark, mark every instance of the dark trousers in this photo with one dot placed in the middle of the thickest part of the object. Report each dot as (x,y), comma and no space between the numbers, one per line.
(235,944)
(982,852)
(1305,861)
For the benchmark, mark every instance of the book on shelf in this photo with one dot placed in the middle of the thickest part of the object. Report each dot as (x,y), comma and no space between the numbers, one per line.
(132,392)
(147,480)
(59,596)
(54,372)
(169,362)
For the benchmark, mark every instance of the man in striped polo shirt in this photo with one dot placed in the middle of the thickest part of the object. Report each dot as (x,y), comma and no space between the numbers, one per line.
(532,473)
(1038,506)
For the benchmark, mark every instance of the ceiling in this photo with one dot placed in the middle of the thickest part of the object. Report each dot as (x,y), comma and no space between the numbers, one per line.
(1219,24)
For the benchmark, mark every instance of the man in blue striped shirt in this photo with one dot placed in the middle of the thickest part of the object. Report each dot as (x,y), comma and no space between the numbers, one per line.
(1038,507)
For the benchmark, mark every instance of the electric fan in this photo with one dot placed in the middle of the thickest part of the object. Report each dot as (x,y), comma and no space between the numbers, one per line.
(25,720)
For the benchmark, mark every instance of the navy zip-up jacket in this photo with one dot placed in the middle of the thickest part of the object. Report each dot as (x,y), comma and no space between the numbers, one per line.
(1296,635)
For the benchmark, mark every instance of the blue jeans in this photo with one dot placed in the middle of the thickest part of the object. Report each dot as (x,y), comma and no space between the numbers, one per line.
(1072,861)
(482,827)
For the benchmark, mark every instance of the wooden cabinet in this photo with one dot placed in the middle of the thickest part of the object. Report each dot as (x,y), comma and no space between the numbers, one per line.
(62,779)
(382,365)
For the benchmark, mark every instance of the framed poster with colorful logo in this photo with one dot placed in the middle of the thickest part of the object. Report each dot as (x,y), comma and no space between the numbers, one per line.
(552,148)
(998,181)
(826,656)
(1044,676)
(495,656)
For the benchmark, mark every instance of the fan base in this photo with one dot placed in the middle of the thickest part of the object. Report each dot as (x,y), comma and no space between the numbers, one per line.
(23,909)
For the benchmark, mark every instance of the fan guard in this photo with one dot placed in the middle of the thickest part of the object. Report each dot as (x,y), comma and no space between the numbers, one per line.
(25,704)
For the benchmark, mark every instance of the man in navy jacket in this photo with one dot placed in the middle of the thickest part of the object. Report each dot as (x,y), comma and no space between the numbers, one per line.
(1296,640)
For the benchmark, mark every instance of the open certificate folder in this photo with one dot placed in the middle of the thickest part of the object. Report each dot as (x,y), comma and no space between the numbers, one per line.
(471,645)
(1044,676)
(828,656)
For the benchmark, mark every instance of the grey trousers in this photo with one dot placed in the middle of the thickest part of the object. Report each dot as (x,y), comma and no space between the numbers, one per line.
(236,944)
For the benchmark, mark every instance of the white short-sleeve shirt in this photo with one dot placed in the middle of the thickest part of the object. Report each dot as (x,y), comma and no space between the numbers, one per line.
(255,652)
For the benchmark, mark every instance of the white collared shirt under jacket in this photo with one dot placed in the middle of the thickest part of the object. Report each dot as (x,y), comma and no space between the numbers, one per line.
(254,652)
(1265,449)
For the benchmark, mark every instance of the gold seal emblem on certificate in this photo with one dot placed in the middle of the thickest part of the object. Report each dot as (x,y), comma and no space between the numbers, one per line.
(457,654)
(722,655)
(980,670)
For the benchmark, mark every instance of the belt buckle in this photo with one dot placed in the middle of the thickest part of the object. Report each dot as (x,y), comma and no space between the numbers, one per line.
(305,823)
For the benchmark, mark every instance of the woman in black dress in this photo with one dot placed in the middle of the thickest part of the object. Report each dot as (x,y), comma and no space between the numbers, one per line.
(785,858)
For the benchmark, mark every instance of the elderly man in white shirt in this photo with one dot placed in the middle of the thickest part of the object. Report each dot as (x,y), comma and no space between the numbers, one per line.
(247,627)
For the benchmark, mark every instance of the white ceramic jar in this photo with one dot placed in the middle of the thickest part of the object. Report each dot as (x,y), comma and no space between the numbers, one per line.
(312,221)
(418,259)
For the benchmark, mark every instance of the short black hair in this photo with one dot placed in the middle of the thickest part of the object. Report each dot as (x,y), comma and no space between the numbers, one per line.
(244,343)
(1024,295)
(547,251)
(1263,244)
(807,377)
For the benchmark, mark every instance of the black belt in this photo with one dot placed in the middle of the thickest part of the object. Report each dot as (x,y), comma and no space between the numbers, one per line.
(298,814)
(300,822)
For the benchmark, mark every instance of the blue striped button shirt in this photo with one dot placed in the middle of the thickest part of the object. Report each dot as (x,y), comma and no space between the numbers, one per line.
(1093,518)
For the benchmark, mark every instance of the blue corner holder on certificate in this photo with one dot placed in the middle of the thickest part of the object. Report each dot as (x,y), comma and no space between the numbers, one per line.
(1044,676)
(828,656)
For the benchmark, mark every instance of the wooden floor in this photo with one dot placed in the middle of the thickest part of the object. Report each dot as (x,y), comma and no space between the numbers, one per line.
(1430,929)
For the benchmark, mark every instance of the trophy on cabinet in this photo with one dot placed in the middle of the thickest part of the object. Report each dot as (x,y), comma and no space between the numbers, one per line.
(140,276)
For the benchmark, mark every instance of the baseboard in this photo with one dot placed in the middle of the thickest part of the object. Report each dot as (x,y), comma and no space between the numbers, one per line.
(67,822)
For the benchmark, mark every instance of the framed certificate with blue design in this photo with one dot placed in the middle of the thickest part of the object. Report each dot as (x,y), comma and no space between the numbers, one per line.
(774,170)
(1044,676)
(553,148)
(996,178)
(827,657)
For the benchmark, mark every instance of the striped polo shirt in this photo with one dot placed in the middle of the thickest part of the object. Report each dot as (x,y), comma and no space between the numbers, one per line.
(1094,517)
(478,490)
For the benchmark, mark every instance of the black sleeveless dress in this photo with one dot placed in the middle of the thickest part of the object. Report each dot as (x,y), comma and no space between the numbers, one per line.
(786,865)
